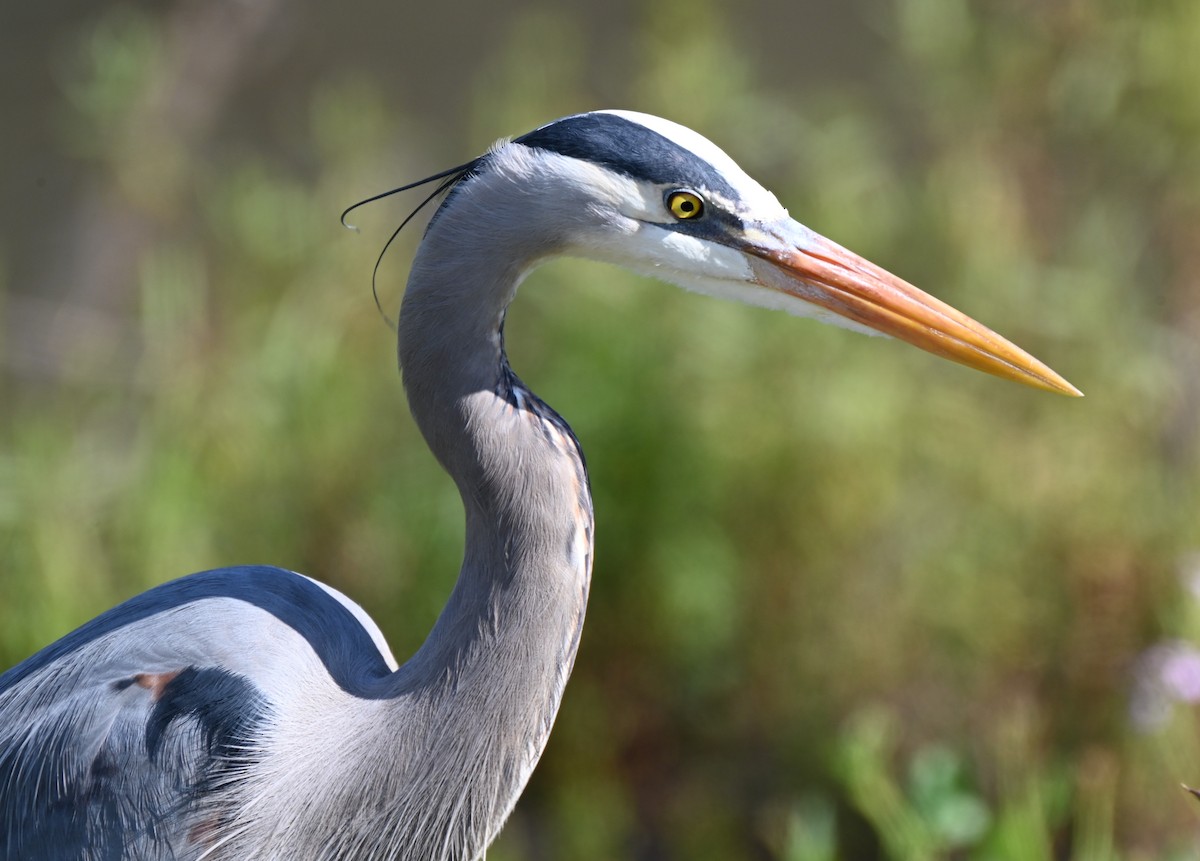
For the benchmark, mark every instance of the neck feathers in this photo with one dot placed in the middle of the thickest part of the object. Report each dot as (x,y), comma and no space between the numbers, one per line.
(484,688)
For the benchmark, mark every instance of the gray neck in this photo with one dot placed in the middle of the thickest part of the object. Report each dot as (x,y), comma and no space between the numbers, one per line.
(488,680)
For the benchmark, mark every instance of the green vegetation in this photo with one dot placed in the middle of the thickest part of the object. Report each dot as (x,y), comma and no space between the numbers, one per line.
(850,602)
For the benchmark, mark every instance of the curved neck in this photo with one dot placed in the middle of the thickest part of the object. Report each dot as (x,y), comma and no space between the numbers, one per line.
(490,676)
(519,470)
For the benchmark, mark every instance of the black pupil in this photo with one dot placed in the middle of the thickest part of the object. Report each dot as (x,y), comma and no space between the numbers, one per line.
(687,206)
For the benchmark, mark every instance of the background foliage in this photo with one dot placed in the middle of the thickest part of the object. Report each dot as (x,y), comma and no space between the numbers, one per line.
(850,602)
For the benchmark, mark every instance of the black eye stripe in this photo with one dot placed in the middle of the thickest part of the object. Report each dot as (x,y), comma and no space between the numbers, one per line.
(629,148)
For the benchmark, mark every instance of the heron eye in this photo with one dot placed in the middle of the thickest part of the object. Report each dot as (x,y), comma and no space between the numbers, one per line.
(684,205)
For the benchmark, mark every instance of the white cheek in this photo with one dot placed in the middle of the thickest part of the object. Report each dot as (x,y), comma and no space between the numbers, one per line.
(695,256)
(666,254)
(699,266)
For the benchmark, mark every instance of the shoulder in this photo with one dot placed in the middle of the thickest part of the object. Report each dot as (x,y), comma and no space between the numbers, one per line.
(224,617)
(164,698)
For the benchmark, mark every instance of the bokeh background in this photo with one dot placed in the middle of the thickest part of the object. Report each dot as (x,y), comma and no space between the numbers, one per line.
(850,602)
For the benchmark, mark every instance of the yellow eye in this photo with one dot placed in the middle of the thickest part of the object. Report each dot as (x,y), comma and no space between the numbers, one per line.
(684,205)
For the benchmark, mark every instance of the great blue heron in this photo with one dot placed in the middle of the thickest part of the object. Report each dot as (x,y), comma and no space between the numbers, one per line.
(255,713)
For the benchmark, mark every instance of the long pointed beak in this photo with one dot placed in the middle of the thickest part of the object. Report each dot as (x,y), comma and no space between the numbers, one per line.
(803,264)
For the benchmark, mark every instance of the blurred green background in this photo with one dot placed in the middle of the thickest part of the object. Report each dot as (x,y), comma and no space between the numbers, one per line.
(850,602)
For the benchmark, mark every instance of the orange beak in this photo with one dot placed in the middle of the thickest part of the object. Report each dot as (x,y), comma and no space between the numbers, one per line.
(803,264)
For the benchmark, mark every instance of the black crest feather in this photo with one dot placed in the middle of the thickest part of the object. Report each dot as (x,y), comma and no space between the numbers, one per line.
(449,178)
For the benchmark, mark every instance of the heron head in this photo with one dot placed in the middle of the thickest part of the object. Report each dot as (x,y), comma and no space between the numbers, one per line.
(658,198)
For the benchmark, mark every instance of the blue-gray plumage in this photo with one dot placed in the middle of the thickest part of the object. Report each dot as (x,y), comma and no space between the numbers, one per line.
(255,713)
